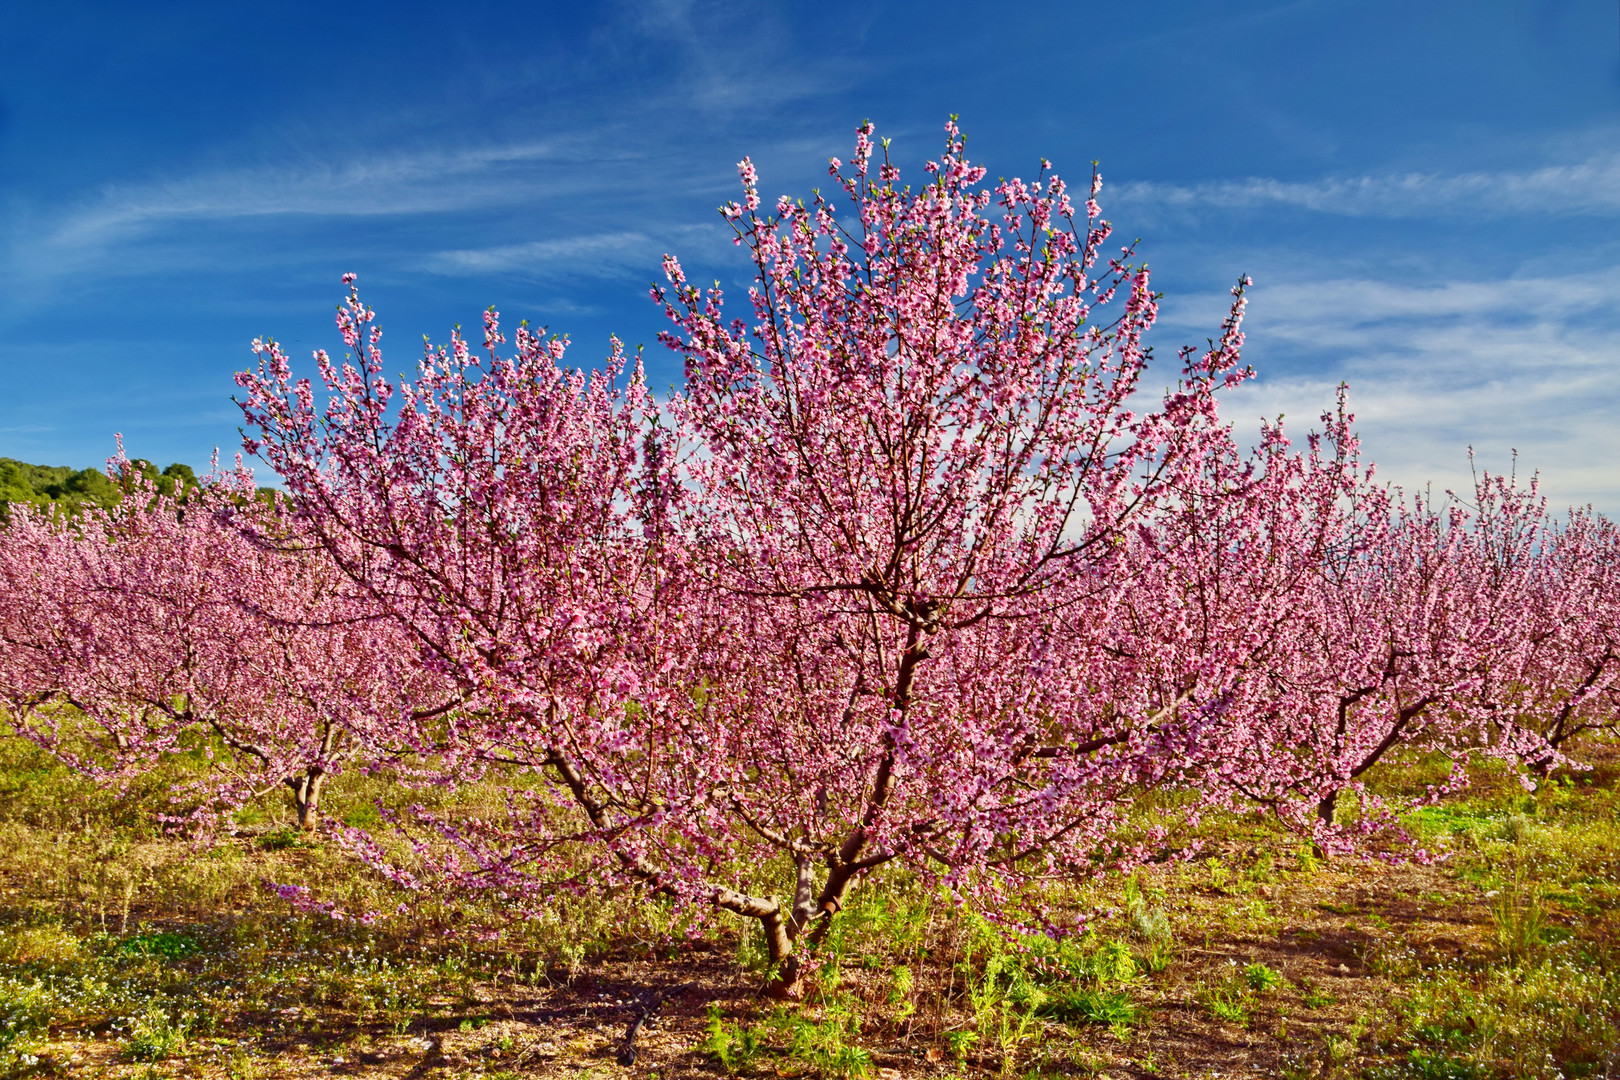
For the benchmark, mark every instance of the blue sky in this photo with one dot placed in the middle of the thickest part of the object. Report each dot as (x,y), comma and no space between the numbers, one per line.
(1427,194)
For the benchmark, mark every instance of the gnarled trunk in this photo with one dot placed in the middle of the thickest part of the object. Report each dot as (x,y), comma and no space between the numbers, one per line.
(811,915)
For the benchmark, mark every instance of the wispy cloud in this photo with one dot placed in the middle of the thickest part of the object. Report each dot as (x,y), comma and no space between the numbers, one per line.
(590,150)
(1590,187)
(1526,364)
(602,253)
(573,184)
(370,186)
(714,76)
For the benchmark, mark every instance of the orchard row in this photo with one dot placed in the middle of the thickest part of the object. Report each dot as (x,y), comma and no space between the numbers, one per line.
(914,569)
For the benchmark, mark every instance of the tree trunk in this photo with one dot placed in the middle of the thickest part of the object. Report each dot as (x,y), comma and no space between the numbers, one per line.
(1325,813)
(786,985)
(1326,809)
(306,792)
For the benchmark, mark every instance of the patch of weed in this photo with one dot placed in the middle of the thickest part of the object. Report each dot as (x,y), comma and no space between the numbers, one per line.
(1261,978)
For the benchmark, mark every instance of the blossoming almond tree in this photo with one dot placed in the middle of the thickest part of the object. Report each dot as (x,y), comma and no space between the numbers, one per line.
(1565,680)
(1211,591)
(506,512)
(1579,675)
(161,626)
(1406,619)
(930,436)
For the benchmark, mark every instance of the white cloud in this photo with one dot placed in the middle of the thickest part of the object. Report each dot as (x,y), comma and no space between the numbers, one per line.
(1529,364)
(1590,187)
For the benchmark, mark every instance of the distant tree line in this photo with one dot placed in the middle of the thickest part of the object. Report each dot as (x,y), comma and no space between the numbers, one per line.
(59,485)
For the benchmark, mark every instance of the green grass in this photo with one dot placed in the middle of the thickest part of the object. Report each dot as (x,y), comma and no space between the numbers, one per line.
(1501,961)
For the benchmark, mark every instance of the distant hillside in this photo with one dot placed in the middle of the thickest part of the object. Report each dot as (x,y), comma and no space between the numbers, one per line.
(45,485)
